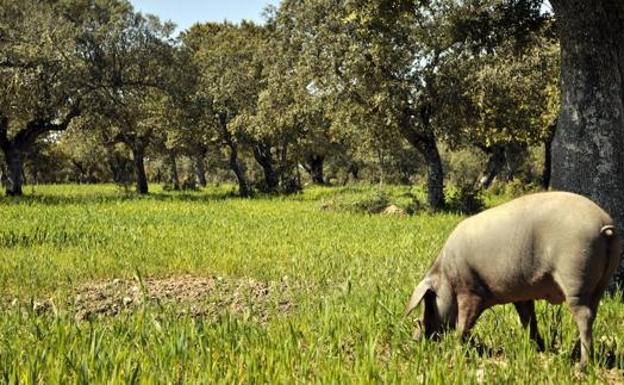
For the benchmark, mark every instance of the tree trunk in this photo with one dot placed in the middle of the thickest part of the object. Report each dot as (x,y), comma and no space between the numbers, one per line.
(424,141)
(546,171)
(119,168)
(354,171)
(262,154)
(243,185)
(173,170)
(15,171)
(496,161)
(244,190)
(315,168)
(138,155)
(200,167)
(588,149)
(435,172)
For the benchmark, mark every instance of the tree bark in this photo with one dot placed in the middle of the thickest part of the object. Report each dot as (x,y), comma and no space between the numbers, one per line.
(496,161)
(15,171)
(354,171)
(423,139)
(138,156)
(588,148)
(200,167)
(173,170)
(314,167)
(244,189)
(547,170)
(435,172)
(262,154)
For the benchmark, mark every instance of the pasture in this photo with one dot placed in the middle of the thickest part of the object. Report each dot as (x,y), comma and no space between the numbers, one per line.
(101,288)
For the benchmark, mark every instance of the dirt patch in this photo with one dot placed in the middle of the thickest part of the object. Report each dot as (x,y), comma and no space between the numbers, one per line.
(187,295)
(393,210)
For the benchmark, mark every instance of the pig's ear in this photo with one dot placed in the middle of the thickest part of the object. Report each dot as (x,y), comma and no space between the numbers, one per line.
(418,295)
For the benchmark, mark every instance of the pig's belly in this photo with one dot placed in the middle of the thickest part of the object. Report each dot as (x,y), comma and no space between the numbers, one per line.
(535,288)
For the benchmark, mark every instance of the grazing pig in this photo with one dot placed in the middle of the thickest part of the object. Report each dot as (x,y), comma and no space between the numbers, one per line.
(555,246)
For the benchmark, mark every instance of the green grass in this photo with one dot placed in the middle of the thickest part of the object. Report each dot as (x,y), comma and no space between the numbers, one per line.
(351,275)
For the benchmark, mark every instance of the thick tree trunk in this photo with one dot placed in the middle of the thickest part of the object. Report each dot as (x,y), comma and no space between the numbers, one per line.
(496,161)
(173,170)
(315,168)
(262,154)
(15,171)
(588,149)
(138,156)
(200,167)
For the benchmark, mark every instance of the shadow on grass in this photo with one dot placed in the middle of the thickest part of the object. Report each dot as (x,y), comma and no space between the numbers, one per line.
(606,354)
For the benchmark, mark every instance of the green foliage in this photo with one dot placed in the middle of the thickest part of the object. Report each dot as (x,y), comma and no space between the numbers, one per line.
(373,84)
(514,188)
(510,96)
(373,204)
(465,199)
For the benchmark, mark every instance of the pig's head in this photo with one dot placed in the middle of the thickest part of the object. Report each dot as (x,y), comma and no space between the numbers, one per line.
(440,305)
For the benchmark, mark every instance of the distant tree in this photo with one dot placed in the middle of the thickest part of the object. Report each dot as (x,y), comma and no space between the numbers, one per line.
(132,65)
(230,67)
(41,77)
(291,118)
(379,60)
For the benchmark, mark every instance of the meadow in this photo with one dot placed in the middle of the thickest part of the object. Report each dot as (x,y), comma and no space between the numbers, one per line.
(287,290)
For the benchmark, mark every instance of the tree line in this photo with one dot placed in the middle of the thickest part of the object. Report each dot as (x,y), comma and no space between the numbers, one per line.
(91,90)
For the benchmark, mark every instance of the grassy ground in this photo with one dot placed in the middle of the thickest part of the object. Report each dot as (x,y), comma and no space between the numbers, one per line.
(347,277)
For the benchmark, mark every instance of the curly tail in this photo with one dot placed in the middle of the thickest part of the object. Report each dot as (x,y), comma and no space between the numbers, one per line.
(608,231)
(614,249)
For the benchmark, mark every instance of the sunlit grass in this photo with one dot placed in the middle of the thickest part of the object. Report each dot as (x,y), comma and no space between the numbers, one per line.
(351,275)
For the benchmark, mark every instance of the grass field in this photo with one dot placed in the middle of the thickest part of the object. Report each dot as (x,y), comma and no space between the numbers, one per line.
(294,294)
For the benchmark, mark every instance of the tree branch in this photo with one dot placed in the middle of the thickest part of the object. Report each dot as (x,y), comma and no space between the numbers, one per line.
(38,127)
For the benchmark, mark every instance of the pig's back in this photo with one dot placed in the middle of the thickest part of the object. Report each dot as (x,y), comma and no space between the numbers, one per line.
(513,250)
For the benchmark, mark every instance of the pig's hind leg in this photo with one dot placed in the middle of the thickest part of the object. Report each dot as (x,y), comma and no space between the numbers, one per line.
(526,311)
(584,310)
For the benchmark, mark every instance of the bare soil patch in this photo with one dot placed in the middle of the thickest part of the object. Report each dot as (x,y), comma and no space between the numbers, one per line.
(188,295)
(394,210)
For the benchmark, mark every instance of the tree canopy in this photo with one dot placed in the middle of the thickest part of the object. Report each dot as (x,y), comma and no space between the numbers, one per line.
(324,91)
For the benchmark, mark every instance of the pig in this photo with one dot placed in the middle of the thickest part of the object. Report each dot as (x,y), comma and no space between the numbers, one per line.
(554,246)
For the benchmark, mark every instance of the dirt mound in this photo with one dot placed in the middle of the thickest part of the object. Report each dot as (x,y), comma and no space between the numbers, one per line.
(188,295)
(394,210)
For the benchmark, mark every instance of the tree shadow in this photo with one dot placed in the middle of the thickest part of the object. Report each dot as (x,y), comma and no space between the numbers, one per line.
(607,354)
